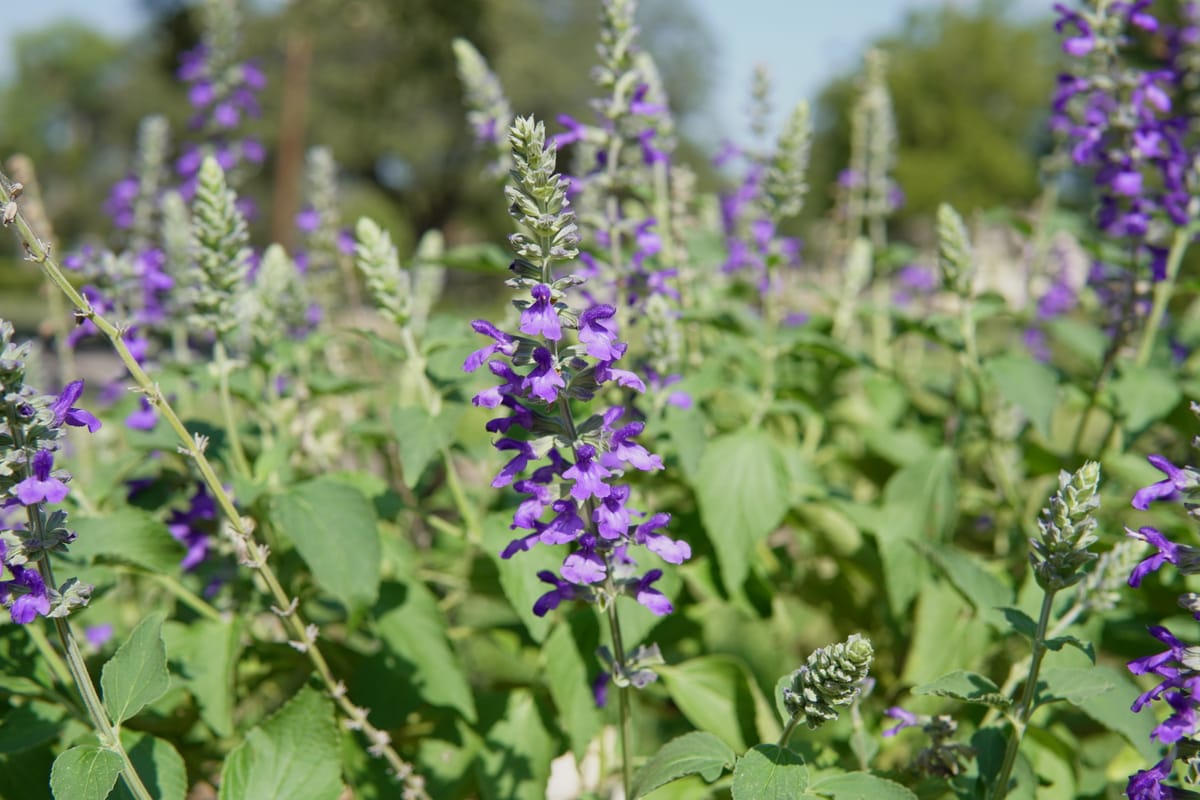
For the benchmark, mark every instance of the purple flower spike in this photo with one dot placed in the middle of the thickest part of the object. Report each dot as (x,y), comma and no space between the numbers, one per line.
(540,318)
(65,411)
(41,487)
(1170,489)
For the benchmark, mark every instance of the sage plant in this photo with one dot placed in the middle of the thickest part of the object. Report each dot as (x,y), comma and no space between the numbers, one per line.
(569,468)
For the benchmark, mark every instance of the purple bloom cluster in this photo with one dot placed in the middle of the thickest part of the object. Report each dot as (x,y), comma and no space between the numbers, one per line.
(750,234)
(223,95)
(30,426)
(1177,667)
(1124,124)
(569,474)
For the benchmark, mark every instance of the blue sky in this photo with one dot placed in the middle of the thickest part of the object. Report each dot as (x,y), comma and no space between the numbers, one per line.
(802,42)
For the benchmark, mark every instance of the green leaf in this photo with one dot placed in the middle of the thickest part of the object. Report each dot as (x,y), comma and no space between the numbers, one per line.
(569,655)
(1144,396)
(205,656)
(983,590)
(291,756)
(716,695)
(333,528)
(137,673)
(919,505)
(86,772)
(860,786)
(940,615)
(1028,384)
(1073,684)
(29,725)
(970,687)
(128,536)
(518,575)
(769,772)
(1021,622)
(1111,709)
(686,429)
(421,436)
(695,753)
(409,622)
(157,763)
(516,755)
(742,486)
(1059,642)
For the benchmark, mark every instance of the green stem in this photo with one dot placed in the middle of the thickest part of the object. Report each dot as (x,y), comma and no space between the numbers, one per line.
(181,592)
(1162,295)
(1020,718)
(787,731)
(224,365)
(253,554)
(105,731)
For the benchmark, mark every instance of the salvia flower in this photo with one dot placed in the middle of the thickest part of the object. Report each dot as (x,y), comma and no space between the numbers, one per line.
(832,676)
(569,473)
(488,110)
(31,424)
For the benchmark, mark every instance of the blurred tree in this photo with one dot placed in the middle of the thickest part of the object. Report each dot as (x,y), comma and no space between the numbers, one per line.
(971,92)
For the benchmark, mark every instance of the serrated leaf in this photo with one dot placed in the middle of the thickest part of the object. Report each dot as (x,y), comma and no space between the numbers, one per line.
(860,786)
(137,674)
(128,536)
(518,575)
(409,622)
(1027,384)
(333,528)
(695,753)
(420,436)
(205,654)
(1059,642)
(970,687)
(86,772)
(1021,622)
(157,763)
(983,590)
(743,489)
(919,505)
(569,654)
(291,756)
(1144,396)
(716,695)
(1073,684)
(26,726)
(769,772)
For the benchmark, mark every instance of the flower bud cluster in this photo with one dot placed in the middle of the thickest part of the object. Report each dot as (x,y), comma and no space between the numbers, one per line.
(568,472)
(1067,529)
(31,424)
(831,676)
(488,110)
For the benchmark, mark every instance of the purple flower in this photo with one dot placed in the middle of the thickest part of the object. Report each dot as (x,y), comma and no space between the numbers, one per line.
(65,411)
(549,601)
(98,635)
(544,381)
(308,220)
(907,719)
(585,565)
(650,597)
(144,419)
(600,689)
(41,486)
(27,594)
(672,551)
(1182,556)
(588,475)
(612,515)
(540,318)
(566,525)
(1171,489)
(598,331)
(1147,783)
(191,527)
(515,466)
(624,449)
(504,344)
